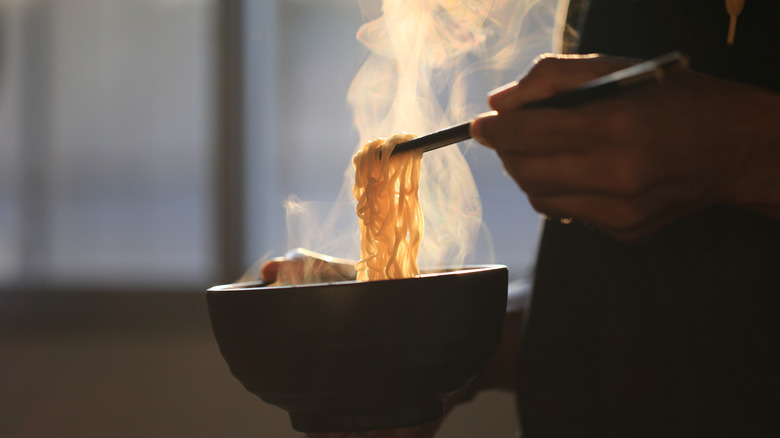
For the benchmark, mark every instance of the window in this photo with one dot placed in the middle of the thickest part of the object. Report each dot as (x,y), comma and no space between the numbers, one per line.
(107,114)
(153,142)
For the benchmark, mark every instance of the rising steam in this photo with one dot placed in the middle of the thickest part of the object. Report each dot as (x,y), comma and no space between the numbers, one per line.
(423,56)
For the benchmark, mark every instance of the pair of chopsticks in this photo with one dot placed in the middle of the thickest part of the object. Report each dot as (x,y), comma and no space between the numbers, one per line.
(613,83)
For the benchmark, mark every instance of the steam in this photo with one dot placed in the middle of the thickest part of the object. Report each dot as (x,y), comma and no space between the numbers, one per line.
(424,55)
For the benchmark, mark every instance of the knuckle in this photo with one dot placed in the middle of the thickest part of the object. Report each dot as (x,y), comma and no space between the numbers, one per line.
(511,169)
(626,219)
(545,59)
(538,204)
(545,66)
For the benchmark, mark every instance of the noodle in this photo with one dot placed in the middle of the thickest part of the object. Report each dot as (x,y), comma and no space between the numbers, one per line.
(388,209)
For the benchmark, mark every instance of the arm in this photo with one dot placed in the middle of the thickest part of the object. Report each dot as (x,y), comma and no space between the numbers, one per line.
(633,163)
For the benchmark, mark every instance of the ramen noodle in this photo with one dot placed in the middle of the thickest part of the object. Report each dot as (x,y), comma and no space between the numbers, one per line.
(388,209)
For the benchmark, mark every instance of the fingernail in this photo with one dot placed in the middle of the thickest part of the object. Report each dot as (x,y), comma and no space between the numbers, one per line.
(476,127)
(502,88)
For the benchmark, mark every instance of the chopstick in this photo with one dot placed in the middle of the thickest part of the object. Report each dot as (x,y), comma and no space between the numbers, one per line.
(608,85)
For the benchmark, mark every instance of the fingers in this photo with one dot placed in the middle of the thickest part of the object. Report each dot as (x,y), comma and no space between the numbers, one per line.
(608,188)
(550,75)
(605,168)
(270,269)
(562,174)
(533,132)
(303,266)
(625,219)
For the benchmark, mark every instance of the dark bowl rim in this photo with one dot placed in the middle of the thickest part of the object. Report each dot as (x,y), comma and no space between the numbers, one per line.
(260,285)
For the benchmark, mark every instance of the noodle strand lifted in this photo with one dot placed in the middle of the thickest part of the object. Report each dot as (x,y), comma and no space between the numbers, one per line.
(388,209)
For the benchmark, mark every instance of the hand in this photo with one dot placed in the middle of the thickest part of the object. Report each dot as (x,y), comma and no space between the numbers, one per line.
(631,164)
(300,266)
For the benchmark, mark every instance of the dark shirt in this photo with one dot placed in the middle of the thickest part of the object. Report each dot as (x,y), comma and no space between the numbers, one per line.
(677,335)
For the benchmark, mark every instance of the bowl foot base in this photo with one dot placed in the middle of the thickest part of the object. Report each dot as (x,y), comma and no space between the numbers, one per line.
(366,418)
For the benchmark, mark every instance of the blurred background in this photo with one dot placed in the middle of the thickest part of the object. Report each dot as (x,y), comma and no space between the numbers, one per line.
(146,150)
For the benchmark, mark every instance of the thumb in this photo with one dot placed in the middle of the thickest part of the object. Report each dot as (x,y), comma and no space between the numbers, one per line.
(552,74)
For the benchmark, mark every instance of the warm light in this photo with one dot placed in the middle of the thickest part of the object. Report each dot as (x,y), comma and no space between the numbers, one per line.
(415,79)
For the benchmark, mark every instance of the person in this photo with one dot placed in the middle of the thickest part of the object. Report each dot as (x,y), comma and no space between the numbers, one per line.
(654,311)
